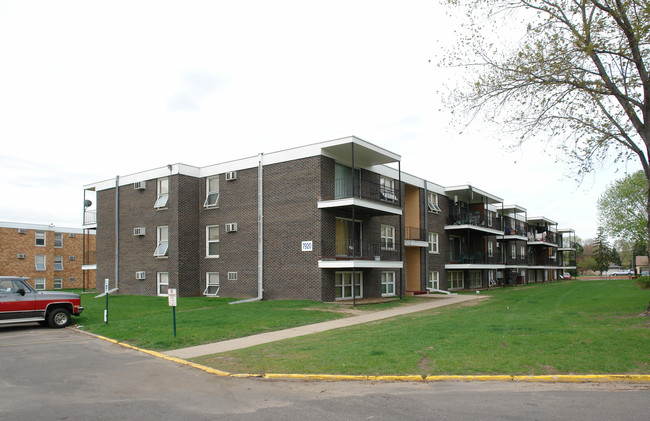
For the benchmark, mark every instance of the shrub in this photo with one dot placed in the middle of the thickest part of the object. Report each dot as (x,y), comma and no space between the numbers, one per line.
(643,282)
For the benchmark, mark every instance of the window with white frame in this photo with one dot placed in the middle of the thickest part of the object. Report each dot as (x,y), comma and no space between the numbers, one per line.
(39,283)
(490,249)
(513,251)
(211,284)
(58,283)
(456,279)
(489,218)
(432,202)
(163,193)
(40,262)
(162,246)
(491,277)
(387,189)
(162,284)
(212,241)
(433,243)
(58,262)
(58,240)
(475,279)
(212,192)
(387,284)
(523,251)
(343,285)
(40,238)
(434,280)
(387,237)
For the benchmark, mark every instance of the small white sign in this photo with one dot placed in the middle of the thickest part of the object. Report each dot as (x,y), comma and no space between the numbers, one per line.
(307,246)
(171,295)
(106,285)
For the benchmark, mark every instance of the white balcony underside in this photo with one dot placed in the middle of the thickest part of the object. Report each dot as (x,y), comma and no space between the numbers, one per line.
(362,203)
(473,266)
(473,227)
(416,243)
(360,264)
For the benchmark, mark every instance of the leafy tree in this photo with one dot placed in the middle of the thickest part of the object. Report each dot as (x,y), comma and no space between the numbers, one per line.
(602,252)
(578,77)
(622,209)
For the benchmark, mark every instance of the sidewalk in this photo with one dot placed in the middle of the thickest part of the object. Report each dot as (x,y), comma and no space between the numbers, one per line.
(262,338)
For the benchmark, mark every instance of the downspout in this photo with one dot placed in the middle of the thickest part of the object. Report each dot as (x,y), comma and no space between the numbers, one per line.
(354,236)
(401,246)
(426,234)
(260,234)
(117,231)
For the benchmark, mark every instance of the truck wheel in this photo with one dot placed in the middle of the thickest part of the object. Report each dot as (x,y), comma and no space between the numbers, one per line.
(59,317)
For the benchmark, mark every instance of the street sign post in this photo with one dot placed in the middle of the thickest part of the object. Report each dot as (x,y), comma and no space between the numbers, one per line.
(106,292)
(171,296)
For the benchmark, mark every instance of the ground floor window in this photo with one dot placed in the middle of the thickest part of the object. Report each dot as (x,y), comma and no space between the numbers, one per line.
(58,283)
(343,285)
(387,284)
(212,284)
(434,280)
(456,279)
(475,279)
(163,283)
(39,283)
(491,278)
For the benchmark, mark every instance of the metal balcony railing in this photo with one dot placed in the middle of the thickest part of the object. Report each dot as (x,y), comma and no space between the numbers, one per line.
(353,250)
(365,190)
(476,257)
(413,233)
(90,217)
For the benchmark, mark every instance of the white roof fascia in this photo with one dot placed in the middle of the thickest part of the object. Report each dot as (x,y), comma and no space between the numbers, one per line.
(40,227)
(467,187)
(541,219)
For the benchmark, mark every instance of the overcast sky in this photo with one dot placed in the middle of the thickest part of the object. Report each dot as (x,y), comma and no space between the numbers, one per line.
(90,90)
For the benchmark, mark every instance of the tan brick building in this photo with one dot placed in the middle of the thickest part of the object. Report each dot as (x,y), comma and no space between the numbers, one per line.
(51,257)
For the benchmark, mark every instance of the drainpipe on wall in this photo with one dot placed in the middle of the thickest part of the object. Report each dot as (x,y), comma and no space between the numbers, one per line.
(260,234)
(117,231)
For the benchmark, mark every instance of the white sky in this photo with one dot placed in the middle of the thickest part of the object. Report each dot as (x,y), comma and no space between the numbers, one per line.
(90,90)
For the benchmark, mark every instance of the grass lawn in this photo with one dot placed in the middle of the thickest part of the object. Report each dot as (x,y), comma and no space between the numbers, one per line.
(147,322)
(572,327)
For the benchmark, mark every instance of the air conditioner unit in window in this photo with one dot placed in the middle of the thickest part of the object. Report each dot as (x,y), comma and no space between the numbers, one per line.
(232,276)
(140,185)
(73,258)
(231,175)
(139,231)
(231,227)
(141,275)
(21,255)
(73,235)
(22,231)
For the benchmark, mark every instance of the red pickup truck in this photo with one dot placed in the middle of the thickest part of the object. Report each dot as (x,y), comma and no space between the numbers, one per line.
(20,303)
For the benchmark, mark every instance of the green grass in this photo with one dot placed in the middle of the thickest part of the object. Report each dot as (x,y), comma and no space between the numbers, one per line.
(574,327)
(147,322)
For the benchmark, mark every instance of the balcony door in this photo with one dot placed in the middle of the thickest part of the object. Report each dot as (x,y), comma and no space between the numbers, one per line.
(343,181)
(348,238)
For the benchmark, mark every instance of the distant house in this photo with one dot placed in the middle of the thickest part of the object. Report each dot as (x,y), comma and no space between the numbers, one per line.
(52,257)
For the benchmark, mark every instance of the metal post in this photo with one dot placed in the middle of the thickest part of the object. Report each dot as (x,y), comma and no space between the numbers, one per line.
(354,235)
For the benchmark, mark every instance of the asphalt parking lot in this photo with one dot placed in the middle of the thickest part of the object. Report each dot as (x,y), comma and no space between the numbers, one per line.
(64,374)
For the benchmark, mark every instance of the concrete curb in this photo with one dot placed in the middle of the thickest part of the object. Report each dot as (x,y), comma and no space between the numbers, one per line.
(558,378)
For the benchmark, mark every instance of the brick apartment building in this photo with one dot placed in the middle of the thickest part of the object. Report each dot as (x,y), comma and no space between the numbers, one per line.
(52,257)
(327,221)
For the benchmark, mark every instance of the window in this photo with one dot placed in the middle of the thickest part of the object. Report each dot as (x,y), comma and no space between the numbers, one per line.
(432,202)
(58,283)
(343,285)
(387,284)
(490,249)
(40,238)
(456,280)
(523,251)
(212,284)
(433,242)
(58,240)
(491,280)
(434,280)
(513,250)
(163,283)
(212,241)
(162,246)
(212,192)
(387,189)
(39,283)
(489,218)
(475,279)
(58,262)
(387,237)
(163,193)
(40,262)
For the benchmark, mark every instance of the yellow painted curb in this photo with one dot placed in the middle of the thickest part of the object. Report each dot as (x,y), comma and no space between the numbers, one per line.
(556,378)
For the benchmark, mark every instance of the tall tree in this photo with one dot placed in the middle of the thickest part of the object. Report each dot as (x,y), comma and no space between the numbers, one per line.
(622,208)
(578,77)
(602,251)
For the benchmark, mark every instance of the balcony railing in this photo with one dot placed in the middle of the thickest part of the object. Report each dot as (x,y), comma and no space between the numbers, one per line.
(473,218)
(351,250)
(474,258)
(542,261)
(364,190)
(547,237)
(417,234)
(90,258)
(90,217)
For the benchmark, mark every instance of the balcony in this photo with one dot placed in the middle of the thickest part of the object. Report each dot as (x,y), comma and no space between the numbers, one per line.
(415,237)
(473,220)
(373,197)
(549,261)
(473,260)
(349,254)
(542,237)
(90,217)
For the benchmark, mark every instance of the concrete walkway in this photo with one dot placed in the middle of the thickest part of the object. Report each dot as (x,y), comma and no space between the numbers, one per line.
(263,338)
